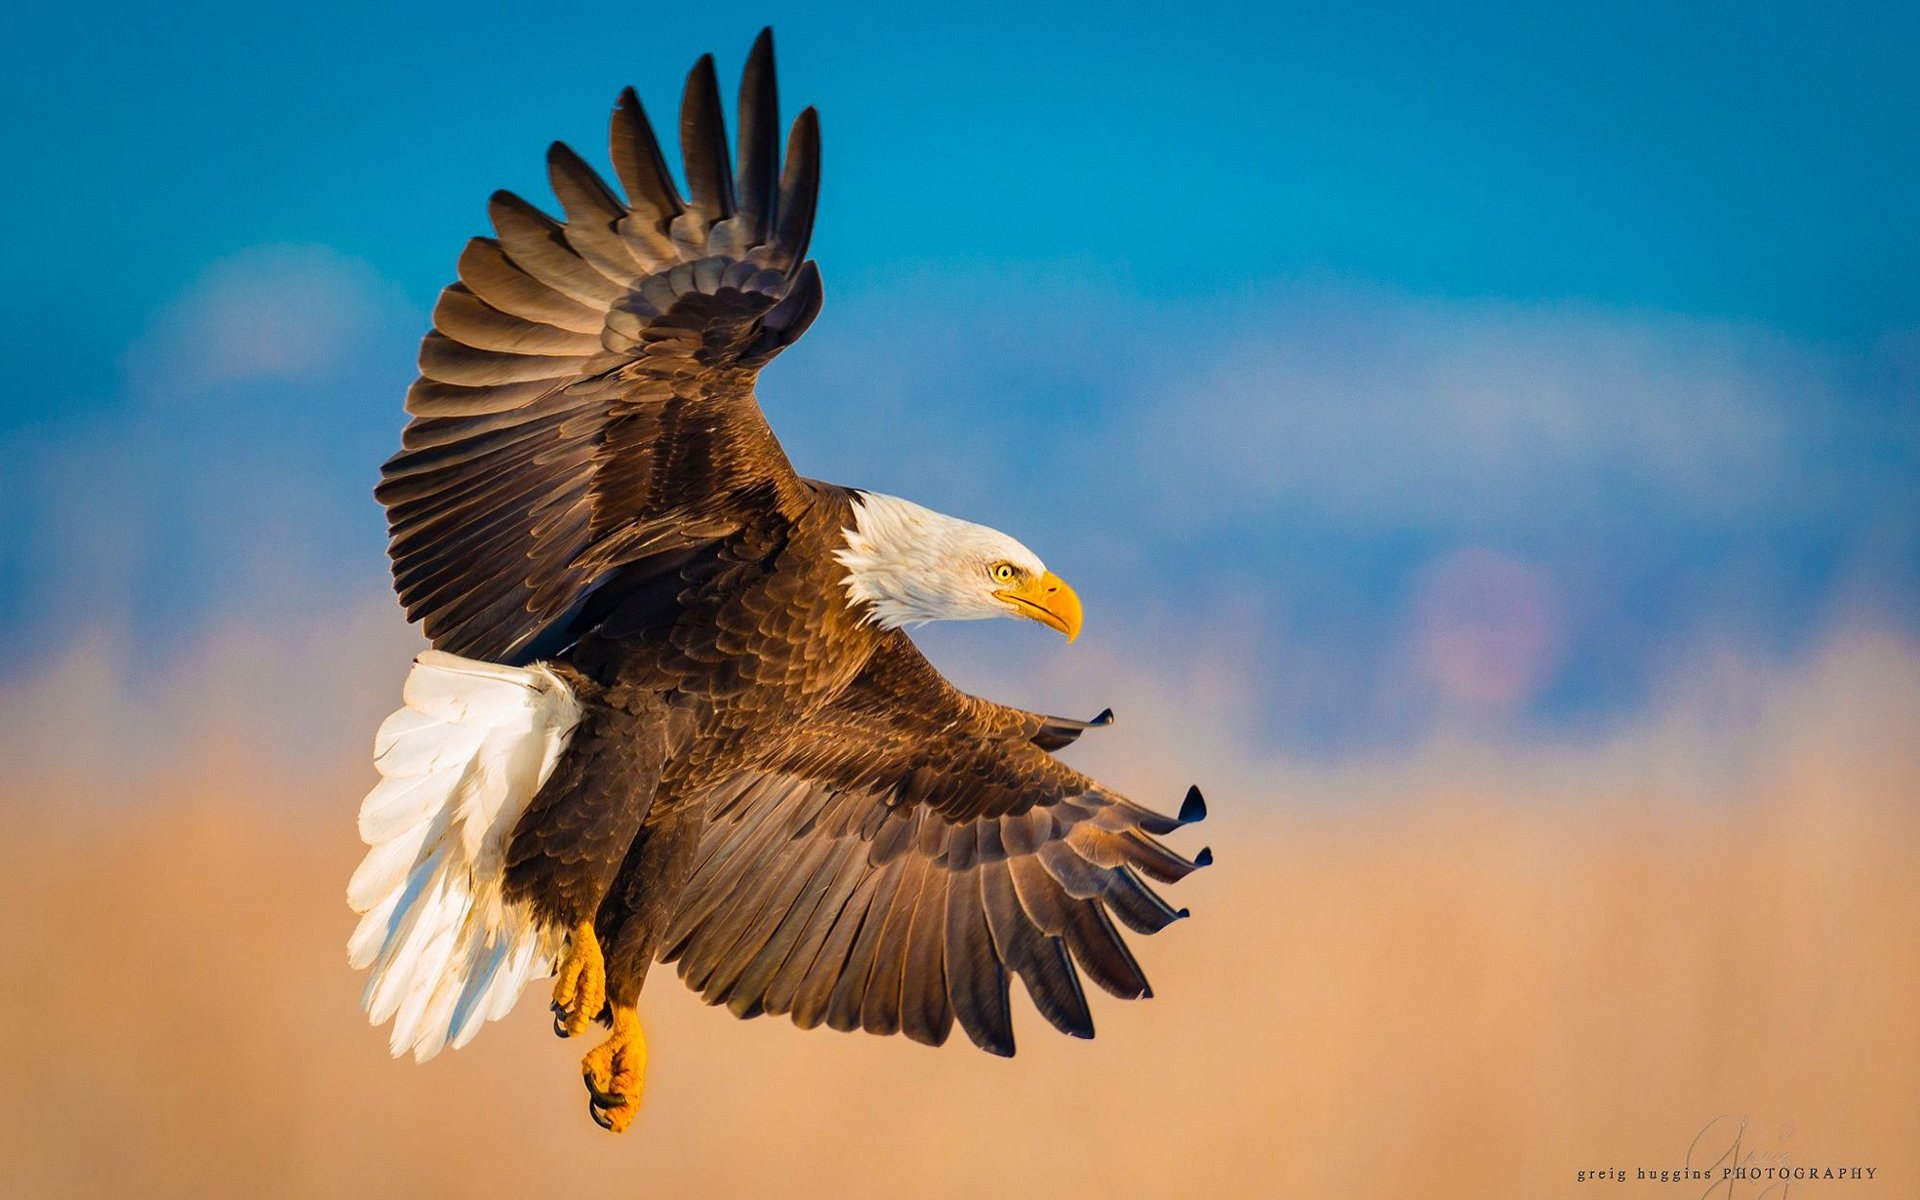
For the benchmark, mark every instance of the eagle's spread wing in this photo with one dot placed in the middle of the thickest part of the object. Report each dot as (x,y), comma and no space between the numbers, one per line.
(915,849)
(586,396)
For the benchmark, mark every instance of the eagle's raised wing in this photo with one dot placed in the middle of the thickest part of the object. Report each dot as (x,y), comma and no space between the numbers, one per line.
(913,852)
(586,396)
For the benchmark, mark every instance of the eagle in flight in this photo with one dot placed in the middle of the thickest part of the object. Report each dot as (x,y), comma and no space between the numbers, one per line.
(672,711)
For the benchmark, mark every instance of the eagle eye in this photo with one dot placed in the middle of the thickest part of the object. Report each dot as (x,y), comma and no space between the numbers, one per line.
(1004,572)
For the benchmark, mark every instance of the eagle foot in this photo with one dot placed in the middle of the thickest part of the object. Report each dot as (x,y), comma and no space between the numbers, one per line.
(580,991)
(615,1072)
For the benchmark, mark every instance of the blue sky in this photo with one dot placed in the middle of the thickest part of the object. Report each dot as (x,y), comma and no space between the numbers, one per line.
(1410,362)
(1738,160)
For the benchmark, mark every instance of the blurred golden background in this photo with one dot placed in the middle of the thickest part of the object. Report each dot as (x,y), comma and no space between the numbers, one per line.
(1472,969)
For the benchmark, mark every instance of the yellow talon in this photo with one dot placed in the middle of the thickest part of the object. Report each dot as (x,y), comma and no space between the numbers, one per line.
(615,1072)
(580,992)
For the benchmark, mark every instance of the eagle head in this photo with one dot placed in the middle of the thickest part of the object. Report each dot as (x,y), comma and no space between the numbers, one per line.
(909,565)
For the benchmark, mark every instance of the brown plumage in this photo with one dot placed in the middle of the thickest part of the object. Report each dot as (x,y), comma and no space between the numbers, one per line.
(766,787)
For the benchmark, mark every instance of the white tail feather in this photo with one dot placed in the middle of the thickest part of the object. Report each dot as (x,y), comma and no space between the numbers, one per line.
(458,765)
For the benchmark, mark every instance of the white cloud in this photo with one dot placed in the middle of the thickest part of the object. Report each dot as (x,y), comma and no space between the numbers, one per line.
(1487,628)
(268,313)
(214,480)
(1343,406)
(1375,410)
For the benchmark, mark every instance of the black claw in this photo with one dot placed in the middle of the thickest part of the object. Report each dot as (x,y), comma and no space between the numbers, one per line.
(1204,858)
(600,1118)
(1193,808)
(603,1099)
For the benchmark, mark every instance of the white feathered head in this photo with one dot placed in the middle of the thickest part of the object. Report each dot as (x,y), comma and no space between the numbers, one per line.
(911,565)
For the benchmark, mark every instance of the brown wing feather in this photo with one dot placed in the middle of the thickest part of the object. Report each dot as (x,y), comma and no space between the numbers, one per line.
(586,395)
(912,851)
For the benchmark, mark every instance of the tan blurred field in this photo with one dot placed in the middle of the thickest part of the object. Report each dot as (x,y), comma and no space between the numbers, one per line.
(1467,972)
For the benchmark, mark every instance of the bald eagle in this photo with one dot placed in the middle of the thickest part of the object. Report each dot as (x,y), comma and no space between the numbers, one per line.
(672,711)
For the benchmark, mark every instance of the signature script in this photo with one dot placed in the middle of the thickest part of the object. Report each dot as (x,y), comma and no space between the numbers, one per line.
(1728,1142)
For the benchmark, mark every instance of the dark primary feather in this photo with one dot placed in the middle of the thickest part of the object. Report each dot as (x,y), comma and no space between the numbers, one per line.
(759,154)
(799,191)
(642,171)
(703,146)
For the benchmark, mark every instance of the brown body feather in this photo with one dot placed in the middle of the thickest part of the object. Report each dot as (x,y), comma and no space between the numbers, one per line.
(785,799)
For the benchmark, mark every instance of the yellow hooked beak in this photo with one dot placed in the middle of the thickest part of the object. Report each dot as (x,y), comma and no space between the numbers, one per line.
(1047,600)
